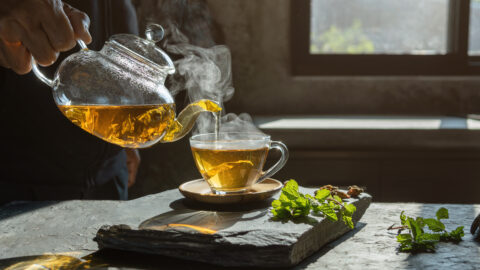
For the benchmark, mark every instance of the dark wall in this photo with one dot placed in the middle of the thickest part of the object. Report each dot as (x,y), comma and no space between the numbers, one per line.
(257,32)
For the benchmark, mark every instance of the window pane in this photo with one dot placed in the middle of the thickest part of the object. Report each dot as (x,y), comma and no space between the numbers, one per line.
(474,39)
(378,26)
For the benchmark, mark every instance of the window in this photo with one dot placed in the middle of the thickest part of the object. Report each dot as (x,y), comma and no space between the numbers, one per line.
(385,37)
(474,33)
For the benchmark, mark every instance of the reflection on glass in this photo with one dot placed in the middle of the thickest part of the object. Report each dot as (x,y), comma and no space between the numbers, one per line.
(378,27)
(474,39)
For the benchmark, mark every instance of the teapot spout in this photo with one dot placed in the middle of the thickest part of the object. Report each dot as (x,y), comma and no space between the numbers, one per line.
(186,119)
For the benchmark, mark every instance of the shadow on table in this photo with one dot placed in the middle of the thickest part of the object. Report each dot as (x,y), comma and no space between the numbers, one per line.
(316,256)
(21,207)
(184,203)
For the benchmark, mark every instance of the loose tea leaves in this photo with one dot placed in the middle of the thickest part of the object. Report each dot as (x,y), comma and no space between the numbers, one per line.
(293,204)
(418,239)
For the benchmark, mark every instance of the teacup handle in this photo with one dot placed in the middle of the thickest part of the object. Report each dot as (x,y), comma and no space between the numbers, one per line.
(280,163)
(42,76)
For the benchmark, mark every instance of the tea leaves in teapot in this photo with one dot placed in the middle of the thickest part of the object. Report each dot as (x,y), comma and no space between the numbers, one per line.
(132,126)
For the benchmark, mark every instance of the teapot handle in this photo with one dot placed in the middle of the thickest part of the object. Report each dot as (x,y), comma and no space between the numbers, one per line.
(42,76)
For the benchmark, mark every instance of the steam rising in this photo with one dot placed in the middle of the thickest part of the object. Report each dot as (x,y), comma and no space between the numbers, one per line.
(205,73)
(241,123)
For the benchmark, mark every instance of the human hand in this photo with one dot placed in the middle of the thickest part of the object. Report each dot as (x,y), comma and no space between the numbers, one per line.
(133,162)
(41,28)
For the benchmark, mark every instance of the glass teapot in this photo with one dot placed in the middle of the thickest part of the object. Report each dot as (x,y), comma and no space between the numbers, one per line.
(118,93)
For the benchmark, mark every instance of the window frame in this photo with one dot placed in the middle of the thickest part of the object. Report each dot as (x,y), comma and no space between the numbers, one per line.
(455,62)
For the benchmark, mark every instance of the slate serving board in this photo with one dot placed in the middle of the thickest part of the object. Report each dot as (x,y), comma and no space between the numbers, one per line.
(229,236)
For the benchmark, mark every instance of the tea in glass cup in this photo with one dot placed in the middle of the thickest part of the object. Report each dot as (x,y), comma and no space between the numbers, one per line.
(233,162)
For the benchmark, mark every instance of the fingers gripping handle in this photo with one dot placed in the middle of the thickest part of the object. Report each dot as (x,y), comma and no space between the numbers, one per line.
(42,76)
(280,163)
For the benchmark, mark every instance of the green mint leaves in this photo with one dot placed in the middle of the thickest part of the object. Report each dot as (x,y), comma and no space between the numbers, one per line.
(293,204)
(418,239)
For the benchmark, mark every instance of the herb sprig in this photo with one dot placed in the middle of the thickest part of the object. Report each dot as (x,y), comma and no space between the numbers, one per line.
(418,240)
(293,204)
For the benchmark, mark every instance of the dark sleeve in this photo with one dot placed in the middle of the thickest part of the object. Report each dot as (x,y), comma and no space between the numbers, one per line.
(107,17)
(41,145)
(124,17)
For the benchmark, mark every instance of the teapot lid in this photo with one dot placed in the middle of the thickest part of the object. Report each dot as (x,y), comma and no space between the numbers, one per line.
(145,50)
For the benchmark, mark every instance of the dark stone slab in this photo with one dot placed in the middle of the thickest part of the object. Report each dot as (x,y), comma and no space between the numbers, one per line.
(36,228)
(240,236)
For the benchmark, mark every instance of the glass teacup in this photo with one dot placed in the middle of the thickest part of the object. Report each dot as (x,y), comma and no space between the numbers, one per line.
(233,162)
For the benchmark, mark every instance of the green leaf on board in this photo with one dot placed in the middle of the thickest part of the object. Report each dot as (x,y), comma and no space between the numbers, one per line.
(292,204)
(442,213)
(419,240)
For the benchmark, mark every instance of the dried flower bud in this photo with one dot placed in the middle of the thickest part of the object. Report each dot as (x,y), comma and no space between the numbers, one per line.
(354,190)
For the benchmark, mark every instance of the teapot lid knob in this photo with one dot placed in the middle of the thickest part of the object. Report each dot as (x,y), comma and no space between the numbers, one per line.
(154,32)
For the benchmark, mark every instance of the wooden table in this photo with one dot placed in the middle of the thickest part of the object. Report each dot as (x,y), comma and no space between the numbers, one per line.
(36,228)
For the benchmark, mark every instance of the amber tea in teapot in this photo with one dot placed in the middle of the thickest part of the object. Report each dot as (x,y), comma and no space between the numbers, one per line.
(135,126)
(118,93)
(128,126)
